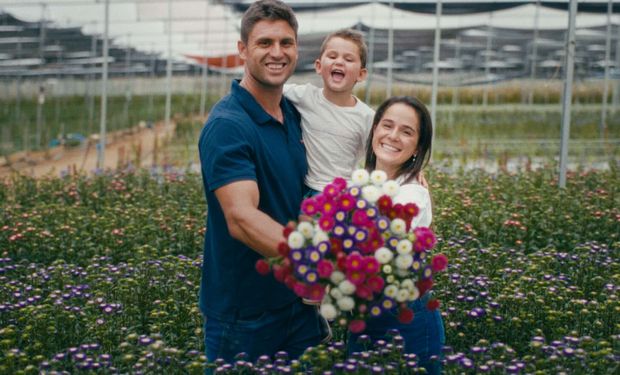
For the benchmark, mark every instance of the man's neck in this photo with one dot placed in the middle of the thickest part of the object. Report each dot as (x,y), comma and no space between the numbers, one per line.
(268,98)
(341,99)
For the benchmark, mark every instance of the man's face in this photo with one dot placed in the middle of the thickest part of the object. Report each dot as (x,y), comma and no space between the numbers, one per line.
(270,54)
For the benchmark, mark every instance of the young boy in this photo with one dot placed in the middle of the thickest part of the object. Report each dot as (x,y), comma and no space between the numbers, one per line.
(335,124)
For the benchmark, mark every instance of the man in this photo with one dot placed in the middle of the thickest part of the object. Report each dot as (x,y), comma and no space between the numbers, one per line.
(253,166)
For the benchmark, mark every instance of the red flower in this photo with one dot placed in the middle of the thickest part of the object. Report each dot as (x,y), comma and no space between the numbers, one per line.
(357,277)
(357,326)
(336,245)
(439,262)
(363,291)
(424,285)
(354,261)
(433,304)
(300,289)
(340,182)
(262,267)
(347,202)
(360,218)
(370,265)
(385,204)
(283,249)
(375,283)
(290,226)
(316,292)
(405,315)
(280,272)
(411,210)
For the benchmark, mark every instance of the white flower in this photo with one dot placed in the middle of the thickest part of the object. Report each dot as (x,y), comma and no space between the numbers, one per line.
(390,279)
(371,193)
(336,293)
(404,247)
(295,240)
(407,284)
(346,287)
(336,277)
(387,269)
(402,295)
(403,262)
(360,177)
(414,294)
(378,177)
(383,255)
(391,291)
(319,236)
(398,226)
(391,188)
(328,311)
(306,229)
(346,304)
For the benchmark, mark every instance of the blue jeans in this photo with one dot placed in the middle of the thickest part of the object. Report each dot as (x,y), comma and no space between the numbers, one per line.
(292,328)
(424,336)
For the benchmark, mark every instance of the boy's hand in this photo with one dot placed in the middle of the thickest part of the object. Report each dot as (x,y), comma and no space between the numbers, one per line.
(422,180)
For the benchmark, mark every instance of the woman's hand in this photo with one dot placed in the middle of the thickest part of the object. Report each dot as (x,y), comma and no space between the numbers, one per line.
(422,180)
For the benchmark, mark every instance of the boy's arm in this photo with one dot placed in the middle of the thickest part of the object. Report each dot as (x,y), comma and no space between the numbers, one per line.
(246,223)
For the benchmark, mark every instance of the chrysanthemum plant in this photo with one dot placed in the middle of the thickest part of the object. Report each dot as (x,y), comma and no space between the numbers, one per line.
(357,254)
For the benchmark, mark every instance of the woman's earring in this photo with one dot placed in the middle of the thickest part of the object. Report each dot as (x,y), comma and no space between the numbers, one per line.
(413,158)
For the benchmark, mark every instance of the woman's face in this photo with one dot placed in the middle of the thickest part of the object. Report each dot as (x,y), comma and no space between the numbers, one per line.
(395,139)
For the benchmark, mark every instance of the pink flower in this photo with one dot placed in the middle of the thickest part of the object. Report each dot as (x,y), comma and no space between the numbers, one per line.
(324,268)
(439,262)
(354,261)
(425,239)
(370,265)
(300,289)
(328,207)
(309,206)
(331,190)
(326,222)
(347,202)
(357,277)
(360,218)
(357,326)
(340,182)
(375,283)
(316,292)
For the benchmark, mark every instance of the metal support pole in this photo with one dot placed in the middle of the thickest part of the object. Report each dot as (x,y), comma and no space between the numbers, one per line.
(568,91)
(169,66)
(371,54)
(104,90)
(203,87)
(390,57)
(603,125)
(436,47)
(487,57)
(533,61)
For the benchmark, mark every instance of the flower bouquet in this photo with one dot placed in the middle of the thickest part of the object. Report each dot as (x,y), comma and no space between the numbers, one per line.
(357,255)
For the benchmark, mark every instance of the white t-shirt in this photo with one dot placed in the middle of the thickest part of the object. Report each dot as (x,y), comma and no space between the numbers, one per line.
(414,192)
(334,136)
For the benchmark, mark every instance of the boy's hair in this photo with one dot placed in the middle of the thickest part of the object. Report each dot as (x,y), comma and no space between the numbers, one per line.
(412,167)
(271,10)
(351,35)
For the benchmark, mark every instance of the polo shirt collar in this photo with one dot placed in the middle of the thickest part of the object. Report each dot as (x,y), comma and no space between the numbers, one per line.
(249,103)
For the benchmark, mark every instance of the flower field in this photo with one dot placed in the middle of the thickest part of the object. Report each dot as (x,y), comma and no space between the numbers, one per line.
(100,274)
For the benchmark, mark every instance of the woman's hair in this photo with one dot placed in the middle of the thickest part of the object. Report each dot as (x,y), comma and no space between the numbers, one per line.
(411,168)
(270,10)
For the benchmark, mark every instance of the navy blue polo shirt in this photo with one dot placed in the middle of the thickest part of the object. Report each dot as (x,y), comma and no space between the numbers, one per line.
(240,141)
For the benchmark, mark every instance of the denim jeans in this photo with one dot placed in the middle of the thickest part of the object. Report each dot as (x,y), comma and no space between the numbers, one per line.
(292,328)
(424,336)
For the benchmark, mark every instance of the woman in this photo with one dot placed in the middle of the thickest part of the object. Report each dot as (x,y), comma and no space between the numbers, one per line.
(400,145)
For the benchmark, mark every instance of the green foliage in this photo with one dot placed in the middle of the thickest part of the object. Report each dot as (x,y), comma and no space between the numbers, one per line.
(105,269)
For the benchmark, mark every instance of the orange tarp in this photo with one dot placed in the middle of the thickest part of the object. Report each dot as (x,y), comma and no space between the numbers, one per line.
(228,61)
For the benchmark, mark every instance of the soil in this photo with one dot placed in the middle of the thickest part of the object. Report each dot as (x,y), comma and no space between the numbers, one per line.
(140,146)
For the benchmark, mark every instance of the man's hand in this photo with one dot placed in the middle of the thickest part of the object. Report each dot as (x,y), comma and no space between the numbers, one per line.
(246,223)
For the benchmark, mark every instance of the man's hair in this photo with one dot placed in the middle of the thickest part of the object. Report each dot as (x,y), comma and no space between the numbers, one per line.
(351,35)
(270,10)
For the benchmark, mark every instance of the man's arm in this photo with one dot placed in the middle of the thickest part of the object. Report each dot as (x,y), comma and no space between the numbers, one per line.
(246,223)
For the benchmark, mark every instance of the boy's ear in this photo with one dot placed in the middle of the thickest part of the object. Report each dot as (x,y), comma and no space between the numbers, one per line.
(363,74)
(317,66)
(241,49)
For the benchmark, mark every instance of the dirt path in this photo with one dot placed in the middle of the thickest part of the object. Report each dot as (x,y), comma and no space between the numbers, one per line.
(139,146)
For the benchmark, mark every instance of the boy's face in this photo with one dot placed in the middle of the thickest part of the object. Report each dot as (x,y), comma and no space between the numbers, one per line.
(340,66)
